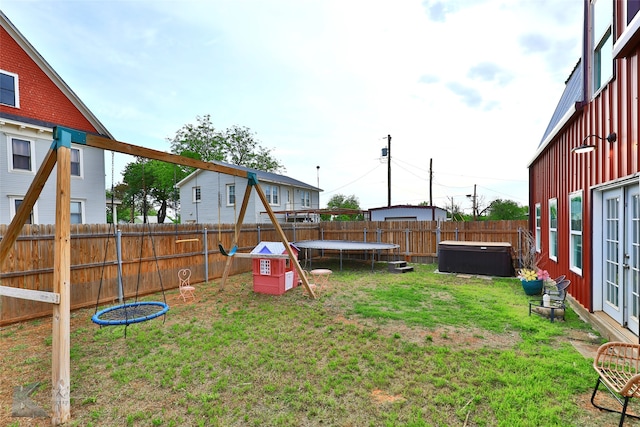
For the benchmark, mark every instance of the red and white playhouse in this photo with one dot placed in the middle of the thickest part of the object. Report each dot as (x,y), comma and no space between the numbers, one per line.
(271,274)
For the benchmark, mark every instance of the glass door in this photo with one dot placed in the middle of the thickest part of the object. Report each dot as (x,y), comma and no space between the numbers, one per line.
(631,264)
(612,292)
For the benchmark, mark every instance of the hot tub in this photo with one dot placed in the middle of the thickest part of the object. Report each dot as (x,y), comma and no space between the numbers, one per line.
(485,258)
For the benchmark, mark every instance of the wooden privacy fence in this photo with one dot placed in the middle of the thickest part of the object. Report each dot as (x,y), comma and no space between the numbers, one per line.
(152,254)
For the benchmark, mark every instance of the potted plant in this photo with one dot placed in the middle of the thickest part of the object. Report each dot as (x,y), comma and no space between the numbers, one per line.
(533,280)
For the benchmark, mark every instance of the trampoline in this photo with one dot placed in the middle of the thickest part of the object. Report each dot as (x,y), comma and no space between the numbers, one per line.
(343,245)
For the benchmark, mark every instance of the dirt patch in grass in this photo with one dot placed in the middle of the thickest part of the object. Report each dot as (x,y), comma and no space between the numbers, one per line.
(246,378)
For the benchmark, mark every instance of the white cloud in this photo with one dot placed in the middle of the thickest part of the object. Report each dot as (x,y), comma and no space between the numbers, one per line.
(469,84)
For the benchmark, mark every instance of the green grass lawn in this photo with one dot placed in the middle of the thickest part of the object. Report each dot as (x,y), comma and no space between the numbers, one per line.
(376,349)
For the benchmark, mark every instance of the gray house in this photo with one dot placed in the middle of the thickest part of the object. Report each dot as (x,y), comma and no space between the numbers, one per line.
(34,99)
(210,197)
(408,213)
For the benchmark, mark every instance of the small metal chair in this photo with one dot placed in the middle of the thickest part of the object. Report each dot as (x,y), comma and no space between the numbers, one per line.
(186,289)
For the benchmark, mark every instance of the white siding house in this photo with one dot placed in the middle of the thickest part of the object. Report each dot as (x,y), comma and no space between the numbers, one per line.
(34,99)
(408,213)
(201,190)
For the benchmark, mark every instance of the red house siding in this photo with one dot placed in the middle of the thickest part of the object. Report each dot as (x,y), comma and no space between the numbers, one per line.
(40,98)
(557,172)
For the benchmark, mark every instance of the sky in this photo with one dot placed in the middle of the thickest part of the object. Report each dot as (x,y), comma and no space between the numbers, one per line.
(466,85)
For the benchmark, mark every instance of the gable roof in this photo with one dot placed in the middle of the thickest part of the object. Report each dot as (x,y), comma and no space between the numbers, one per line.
(261,175)
(7,26)
(572,94)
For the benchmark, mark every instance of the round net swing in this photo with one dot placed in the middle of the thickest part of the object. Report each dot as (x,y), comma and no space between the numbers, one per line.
(138,311)
(133,312)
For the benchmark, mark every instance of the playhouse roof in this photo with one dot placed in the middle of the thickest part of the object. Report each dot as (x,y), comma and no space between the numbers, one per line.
(270,248)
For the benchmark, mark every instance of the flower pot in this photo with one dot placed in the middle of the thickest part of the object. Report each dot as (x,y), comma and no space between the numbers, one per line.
(532,287)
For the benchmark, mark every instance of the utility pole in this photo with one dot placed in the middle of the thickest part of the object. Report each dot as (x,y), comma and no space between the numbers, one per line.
(388,170)
(430,182)
(474,198)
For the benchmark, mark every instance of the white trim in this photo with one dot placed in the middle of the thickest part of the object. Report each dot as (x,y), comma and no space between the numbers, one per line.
(81,161)
(627,34)
(194,190)
(32,149)
(572,267)
(554,132)
(228,195)
(83,217)
(538,226)
(16,88)
(555,201)
(12,207)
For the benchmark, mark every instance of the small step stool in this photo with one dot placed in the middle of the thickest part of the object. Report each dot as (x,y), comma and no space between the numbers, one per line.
(399,267)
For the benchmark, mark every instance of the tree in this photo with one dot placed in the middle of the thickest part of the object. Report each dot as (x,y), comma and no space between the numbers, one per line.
(506,210)
(340,201)
(151,183)
(236,145)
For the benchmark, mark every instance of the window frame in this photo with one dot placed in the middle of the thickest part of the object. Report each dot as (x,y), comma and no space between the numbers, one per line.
(80,203)
(601,43)
(575,233)
(196,194)
(538,226)
(231,193)
(553,230)
(16,89)
(13,209)
(32,155)
(271,194)
(305,202)
(80,162)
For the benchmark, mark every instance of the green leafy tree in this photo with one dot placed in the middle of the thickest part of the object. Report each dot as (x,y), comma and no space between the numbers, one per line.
(340,201)
(506,210)
(151,184)
(237,145)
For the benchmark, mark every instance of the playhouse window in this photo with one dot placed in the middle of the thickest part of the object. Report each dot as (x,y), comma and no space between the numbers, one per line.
(575,230)
(265,267)
(553,229)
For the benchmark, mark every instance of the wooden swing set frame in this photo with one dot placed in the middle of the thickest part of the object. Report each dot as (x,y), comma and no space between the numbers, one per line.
(60,154)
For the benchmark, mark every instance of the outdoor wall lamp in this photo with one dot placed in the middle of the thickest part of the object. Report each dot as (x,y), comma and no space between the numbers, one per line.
(587,148)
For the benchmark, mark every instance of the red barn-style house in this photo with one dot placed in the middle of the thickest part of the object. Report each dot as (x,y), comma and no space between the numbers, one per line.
(584,179)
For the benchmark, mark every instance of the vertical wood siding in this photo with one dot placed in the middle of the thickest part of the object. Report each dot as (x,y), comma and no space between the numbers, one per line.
(557,172)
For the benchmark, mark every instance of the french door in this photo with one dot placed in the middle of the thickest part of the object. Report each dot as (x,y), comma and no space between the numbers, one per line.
(621,255)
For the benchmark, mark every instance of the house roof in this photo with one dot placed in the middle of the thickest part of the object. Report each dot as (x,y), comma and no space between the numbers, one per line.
(572,94)
(262,176)
(13,32)
(405,207)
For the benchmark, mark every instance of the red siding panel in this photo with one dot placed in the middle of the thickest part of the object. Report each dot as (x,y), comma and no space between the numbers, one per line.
(557,173)
(40,98)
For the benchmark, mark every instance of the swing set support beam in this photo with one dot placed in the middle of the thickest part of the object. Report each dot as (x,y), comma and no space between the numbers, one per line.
(60,154)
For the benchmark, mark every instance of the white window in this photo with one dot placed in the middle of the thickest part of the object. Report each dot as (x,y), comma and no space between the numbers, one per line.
(76,162)
(602,42)
(196,195)
(538,227)
(21,157)
(272,192)
(575,232)
(77,212)
(231,194)
(305,199)
(9,93)
(14,204)
(553,229)
(265,267)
